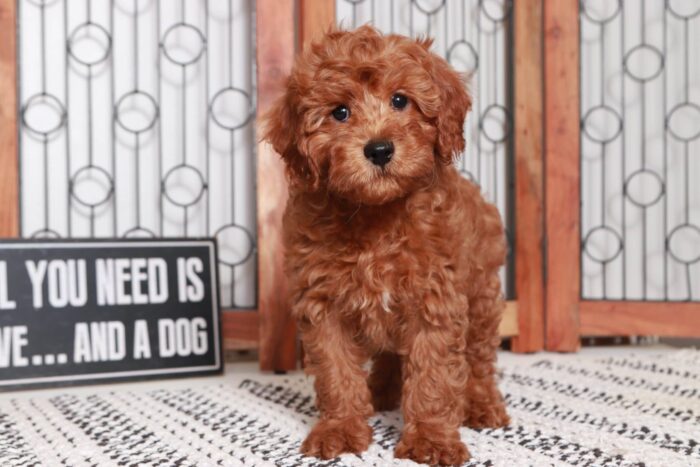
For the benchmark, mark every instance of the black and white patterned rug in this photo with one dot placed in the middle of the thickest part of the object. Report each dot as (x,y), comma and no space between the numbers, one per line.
(626,409)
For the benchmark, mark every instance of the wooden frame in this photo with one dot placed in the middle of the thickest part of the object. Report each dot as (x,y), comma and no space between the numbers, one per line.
(561,77)
(9,167)
(529,183)
(315,17)
(275,55)
(568,316)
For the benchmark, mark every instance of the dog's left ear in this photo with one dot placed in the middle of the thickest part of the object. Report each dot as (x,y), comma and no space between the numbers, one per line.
(455,103)
(281,131)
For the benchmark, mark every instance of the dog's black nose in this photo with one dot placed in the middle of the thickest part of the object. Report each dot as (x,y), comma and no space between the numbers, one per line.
(379,151)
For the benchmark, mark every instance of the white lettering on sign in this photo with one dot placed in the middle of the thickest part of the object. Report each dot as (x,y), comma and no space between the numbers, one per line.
(12,340)
(182,337)
(36,273)
(5,302)
(142,345)
(148,278)
(67,282)
(189,284)
(99,341)
(200,345)
(138,276)
(122,275)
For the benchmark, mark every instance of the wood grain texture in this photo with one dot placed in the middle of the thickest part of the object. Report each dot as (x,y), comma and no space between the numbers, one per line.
(625,318)
(562,176)
(275,54)
(241,329)
(529,182)
(9,176)
(509,322)
(315,18)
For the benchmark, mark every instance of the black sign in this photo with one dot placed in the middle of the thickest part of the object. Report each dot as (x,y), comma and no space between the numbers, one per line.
(85,311)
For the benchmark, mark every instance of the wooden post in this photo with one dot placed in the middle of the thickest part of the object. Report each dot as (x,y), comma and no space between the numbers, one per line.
(9,176)
(275,55)
(241,329)
(315,18)
(562,178)
(625,318)
(529,183)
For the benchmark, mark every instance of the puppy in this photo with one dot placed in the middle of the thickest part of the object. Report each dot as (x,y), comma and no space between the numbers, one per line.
(391,255)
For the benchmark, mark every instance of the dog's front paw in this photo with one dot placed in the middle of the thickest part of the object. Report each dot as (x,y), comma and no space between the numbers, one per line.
(431,447)
(330,438)
(487,416)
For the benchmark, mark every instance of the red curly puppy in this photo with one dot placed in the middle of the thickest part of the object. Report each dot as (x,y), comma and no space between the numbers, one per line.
(391,254)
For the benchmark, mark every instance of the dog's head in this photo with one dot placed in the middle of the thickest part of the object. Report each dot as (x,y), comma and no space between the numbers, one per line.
(367,117)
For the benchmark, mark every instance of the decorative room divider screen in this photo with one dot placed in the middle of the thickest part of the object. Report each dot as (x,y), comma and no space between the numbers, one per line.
(135,118)
(622,123)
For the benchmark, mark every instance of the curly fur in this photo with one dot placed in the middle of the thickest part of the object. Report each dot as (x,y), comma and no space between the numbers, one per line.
(396,264)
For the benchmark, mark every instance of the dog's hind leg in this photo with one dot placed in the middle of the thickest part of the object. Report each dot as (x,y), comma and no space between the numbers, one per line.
(485,407)
(385,381)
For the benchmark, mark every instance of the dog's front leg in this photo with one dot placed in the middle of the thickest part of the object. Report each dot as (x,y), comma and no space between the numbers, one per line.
(435,374)
(342,395)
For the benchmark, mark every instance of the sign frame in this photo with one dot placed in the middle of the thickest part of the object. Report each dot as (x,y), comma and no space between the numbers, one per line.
(80,379)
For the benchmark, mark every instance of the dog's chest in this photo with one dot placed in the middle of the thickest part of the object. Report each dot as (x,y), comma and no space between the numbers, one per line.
(375,271)
(372,290)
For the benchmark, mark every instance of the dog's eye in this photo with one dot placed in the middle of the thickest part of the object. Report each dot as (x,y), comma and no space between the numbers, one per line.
(341,113)
(399,101)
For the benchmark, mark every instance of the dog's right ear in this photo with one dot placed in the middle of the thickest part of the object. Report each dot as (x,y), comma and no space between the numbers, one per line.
(282,131)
